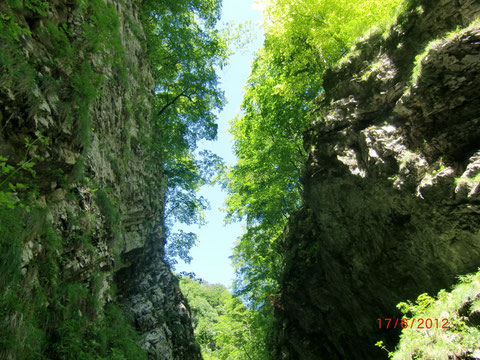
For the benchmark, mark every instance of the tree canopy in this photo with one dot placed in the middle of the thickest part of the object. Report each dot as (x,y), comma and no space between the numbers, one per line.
(224,327)
(302,39)
(185,50)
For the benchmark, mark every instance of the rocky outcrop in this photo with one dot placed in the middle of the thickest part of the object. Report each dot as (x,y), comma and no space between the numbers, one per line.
(391,184)
(75,104)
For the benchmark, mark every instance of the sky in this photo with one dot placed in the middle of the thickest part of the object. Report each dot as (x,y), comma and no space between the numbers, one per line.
(211,256)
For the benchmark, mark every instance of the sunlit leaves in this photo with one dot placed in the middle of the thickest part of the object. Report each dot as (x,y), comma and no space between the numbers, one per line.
(185,51)
(224,327)
(321,30)
(179,245)
(265,184)
(302,39)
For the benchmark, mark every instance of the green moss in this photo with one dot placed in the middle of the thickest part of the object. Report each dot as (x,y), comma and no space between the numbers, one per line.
(117,169)
(111,213)
(117,338)
(70,59)
(419,59)
(20,306)
(79,170)
(108,209)
(89,331)
(467,180)
(54,318)
(433,46)
(85,84)
(44,312)
(18,74)
(373,68)
(80,229)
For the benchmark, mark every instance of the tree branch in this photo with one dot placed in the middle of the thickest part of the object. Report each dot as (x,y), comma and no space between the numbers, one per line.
(246,352)
(170,103)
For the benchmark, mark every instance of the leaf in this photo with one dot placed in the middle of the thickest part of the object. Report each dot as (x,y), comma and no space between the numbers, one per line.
(21,186)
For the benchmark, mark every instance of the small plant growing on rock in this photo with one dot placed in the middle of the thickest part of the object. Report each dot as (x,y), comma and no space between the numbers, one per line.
(457,332)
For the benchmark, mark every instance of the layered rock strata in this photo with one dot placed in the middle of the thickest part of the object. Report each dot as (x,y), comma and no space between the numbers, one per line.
(78,86)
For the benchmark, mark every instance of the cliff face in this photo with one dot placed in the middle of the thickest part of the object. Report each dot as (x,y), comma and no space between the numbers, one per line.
(75,106)
(391,185)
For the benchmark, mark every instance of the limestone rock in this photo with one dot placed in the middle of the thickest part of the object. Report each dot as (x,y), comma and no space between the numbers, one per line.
(104,221)
(391,185)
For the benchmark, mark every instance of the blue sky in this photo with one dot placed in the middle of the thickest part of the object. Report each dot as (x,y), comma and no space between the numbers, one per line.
(211,260)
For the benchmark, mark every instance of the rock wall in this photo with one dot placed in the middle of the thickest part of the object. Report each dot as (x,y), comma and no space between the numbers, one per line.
(391,184)
(75,103)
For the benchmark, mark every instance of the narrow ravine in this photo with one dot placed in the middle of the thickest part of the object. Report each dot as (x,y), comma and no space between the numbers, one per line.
(340,139)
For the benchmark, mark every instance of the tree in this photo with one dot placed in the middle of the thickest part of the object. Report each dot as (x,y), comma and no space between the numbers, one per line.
(185,50)
(224,327)
(302,39)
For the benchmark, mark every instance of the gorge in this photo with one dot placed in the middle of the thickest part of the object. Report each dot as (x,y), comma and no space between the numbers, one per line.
(358,176)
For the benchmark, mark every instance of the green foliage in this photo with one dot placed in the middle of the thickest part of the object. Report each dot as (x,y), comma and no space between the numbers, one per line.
(185,50)
(11,227)
(61,318)
(16,180)
(321,31)
(185,175)
(117,338)
(20,307)
(87,331)
(76,84)
(461,336)
(180,243)
(224,327)
(54,318)
(10,29)
(302,39)
(206,304)
(101,37)
(109,210)
(17,74)
(9,189)
(381,345)
(436,44)
(11,230)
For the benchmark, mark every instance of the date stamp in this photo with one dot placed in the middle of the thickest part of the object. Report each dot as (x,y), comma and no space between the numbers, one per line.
(413,323)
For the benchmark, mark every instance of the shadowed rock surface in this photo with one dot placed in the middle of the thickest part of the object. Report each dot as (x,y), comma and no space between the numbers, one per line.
(391,185)
(102,196)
